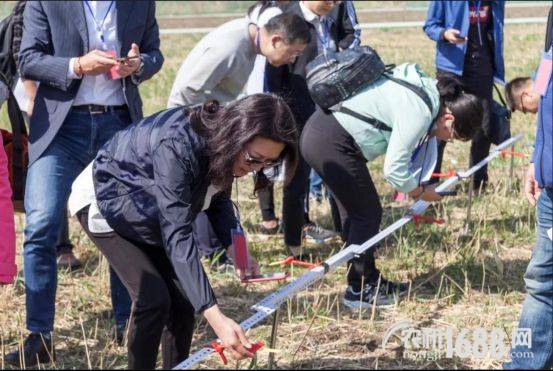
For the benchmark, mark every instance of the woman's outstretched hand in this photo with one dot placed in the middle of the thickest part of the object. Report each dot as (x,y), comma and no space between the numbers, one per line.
(229,332)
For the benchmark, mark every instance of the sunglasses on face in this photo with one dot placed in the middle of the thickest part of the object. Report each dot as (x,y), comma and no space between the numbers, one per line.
(252,161)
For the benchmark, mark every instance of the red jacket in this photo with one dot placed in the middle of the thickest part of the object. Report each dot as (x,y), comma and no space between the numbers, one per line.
(8,269)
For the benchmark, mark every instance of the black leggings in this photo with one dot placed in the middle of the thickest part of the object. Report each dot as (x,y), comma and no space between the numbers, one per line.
(161,312)
(333,153)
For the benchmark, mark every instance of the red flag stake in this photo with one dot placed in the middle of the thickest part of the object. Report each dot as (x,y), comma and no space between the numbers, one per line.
(291,261)
(220,348)
(426,219)
(505,153)
(449,174)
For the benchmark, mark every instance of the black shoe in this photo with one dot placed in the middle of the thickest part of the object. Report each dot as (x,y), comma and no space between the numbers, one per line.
(387,295)
(36,349)
(317,233)
(221,262)
(120,332)
(261,229)
(68,261)
(479,187)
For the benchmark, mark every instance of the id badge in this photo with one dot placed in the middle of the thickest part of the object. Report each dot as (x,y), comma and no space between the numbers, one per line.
(544,73)
(112,73)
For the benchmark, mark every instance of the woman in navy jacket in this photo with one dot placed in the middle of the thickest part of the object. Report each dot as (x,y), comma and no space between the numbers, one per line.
(150,182)
(469,37)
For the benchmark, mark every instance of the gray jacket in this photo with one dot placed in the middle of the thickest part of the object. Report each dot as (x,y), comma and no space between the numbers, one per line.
(55,32)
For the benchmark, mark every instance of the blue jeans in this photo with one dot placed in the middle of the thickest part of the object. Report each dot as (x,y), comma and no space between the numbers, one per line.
(47,189)
(315,184)
(537,311)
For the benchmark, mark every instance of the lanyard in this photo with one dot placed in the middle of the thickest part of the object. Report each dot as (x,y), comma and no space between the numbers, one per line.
(100,26)
(424,141)
(324,38)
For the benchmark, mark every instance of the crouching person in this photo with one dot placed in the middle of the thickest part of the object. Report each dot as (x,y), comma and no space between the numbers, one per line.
(138,199)
(338,145)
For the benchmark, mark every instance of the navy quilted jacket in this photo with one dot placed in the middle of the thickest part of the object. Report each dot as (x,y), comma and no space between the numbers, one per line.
(151,181)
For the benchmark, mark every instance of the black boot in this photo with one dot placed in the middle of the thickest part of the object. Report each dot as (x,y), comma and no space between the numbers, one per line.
(36,349)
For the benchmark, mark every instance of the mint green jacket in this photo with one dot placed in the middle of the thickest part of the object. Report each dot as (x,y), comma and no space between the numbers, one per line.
(401,109)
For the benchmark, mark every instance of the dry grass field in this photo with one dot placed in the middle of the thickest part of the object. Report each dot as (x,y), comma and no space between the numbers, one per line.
(458,281)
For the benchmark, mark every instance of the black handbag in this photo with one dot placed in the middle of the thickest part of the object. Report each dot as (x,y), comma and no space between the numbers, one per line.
(499,127)
(335,76)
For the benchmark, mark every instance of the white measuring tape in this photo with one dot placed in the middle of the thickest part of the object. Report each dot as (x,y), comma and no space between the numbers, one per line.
(269,305)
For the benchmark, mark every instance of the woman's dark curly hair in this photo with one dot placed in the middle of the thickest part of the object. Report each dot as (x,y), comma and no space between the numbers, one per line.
(467,108)
(229,128)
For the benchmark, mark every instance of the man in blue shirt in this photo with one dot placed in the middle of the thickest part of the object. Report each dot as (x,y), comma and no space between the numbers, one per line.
(469,45)
(537,311)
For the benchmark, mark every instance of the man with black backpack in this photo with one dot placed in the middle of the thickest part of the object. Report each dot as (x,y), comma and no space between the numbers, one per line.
(331,29)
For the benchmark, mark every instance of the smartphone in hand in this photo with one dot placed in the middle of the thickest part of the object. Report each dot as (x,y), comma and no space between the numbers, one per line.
(125,59)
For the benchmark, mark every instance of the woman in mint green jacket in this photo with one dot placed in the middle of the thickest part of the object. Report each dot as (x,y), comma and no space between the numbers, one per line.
(338,146)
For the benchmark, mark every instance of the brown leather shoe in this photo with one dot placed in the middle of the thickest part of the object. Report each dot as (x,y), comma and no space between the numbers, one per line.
(69,261)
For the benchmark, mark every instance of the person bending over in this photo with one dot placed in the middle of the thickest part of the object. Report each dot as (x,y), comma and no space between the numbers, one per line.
(338,147)
(138,199)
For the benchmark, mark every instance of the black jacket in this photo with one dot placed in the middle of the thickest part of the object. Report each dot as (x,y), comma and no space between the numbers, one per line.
(289,81)
(151,181)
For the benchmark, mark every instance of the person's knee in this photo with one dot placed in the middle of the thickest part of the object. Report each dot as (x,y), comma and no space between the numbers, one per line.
(42,225)
(539,282)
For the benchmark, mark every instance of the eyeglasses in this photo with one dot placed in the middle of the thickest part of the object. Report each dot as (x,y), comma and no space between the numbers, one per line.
(252,161)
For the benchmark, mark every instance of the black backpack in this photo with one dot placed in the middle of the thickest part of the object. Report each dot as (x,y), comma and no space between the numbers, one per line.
(8,69)
(18,143)
(333,77)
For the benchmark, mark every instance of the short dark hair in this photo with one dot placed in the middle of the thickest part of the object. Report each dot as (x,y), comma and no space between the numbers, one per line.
(229,128)
(513,89)
(467,108)
(290,27)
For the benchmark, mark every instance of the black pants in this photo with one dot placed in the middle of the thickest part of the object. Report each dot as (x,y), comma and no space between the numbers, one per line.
(161,312)
(266,198)
(294,215)
(477,79)
(333,153)
(293,204)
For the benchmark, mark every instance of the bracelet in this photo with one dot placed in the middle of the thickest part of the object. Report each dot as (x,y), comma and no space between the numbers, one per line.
(79,71)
